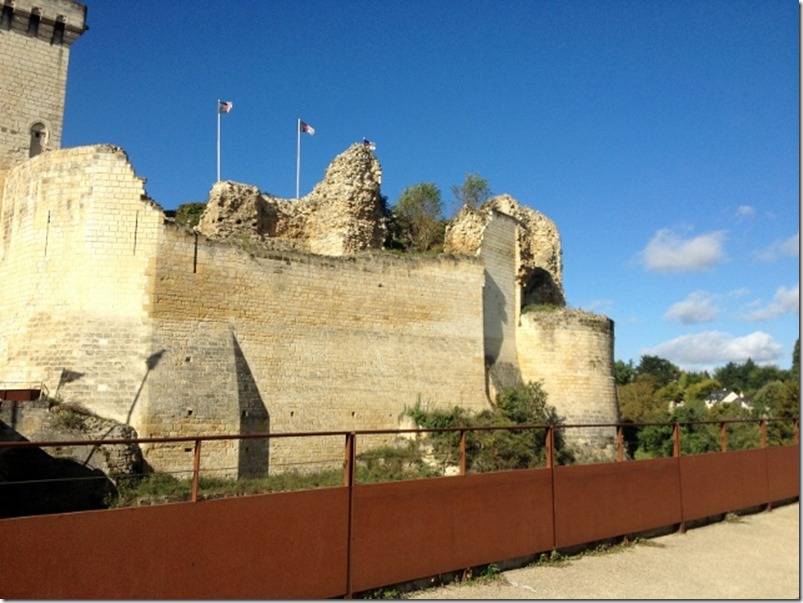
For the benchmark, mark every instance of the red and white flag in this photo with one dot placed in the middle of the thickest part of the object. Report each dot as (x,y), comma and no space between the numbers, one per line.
(305,127)
(224,106)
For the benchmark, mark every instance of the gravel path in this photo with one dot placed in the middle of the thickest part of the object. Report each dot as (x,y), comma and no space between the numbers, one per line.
(753,557)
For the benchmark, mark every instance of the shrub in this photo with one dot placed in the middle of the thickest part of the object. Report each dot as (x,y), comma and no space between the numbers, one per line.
(497,449)
(189,214)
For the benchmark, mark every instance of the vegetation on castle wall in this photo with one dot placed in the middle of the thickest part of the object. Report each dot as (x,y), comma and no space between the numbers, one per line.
(416,222)
(497,450)
(189,214)
(474,191)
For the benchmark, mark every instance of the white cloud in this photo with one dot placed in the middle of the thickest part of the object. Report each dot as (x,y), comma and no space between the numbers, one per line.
(699,306)
(667,252)
(709,349)
(778,249)
(785,301)
(744,211)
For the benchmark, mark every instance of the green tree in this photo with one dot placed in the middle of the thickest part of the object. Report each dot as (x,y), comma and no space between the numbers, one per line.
(739,435)
(637,402)
(473,192)
(623,373)
(659,370)
(417,213)
(656,440)
(766,400)
(700,390)
(795,370)
(787,408)
(734,376)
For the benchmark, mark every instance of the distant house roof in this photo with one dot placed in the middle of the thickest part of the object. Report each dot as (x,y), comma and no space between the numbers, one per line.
(725,396)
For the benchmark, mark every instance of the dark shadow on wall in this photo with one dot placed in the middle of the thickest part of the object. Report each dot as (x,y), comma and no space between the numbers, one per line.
(150,363)
(494,317)
(32,482)
(539,288)
(254,453)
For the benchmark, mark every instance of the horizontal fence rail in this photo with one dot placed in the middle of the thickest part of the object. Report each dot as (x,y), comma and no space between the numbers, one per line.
(344,531)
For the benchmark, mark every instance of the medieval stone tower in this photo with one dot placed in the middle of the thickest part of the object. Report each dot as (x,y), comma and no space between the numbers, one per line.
(35,40)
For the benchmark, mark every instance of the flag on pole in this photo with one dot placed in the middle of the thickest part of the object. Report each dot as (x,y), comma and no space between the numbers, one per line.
(305,127)
(368,144)
(224,106)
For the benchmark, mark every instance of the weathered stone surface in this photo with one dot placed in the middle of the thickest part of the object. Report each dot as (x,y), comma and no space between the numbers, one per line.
(236,210)
(540,270)
(44,421)
(342,214)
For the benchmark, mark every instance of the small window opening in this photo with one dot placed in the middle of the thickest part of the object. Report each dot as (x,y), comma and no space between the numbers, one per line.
(38,139)
(58,31)
(33,22)
(7,16)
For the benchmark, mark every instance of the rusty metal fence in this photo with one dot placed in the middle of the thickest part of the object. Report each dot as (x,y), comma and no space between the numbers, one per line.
(349,537)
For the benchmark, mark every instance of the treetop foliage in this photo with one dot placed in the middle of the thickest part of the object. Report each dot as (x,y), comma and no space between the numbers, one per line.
(474,191)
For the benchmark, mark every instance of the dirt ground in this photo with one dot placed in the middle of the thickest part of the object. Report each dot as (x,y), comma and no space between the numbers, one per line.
(754,556)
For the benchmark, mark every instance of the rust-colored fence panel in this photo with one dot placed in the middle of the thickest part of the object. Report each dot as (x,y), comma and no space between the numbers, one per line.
(595,502)
(333,542)
(783,469)
(20,395)
(285,545)
(718,483)
(408,530)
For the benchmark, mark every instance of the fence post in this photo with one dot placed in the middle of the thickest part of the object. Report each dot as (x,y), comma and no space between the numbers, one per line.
(676,454)
(762,426)
(797,431)
(620,444)
(196,470)
(550,447)
(462,452)
(676,440)
(348,463)
(723,437)
(349,468)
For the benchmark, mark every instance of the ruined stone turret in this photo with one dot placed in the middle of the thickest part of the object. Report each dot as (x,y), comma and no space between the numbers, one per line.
(342,214)
(540,267)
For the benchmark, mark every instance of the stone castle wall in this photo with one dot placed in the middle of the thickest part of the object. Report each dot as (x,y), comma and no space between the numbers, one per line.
(571,352)
(77,235)
(295,342)
(177,335)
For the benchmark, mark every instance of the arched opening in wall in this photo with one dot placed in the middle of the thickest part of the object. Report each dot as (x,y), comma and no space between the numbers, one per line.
(540,288)
(39,137)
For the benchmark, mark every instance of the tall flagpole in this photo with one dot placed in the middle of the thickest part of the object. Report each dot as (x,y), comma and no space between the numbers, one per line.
(298,156)
(218,140)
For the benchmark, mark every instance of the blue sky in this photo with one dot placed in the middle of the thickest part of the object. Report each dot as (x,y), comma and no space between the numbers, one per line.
(661,137)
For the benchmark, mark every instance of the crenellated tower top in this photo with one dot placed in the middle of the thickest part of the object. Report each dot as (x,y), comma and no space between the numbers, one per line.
(35,40)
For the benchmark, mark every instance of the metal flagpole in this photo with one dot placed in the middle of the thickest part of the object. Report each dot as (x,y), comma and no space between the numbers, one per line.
(218,140)
(298,156)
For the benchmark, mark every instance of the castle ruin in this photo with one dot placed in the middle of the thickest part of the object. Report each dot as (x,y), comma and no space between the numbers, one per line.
(274,315)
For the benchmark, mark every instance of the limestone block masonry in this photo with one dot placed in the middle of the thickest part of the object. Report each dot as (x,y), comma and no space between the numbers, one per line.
(274,315)
(113,306)
(571,353)
(35,38)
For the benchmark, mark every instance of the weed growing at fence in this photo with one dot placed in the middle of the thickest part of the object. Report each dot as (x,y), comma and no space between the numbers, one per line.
(496,449)
(393,463)
(163,487)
